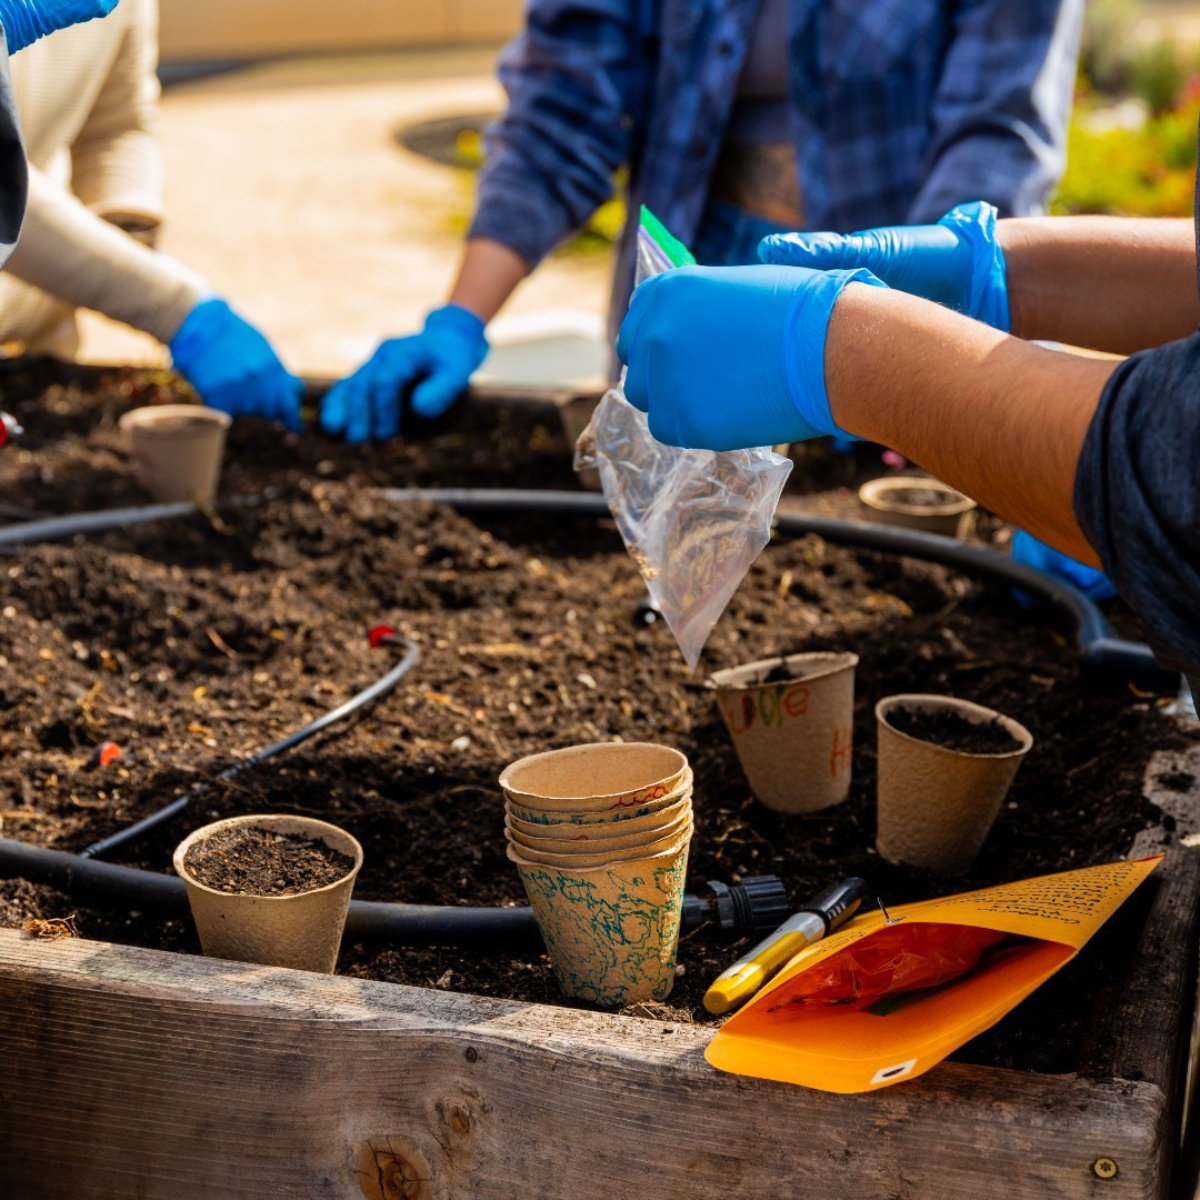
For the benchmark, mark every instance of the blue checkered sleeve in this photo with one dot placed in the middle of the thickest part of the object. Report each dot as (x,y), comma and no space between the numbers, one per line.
(1001,107)
(551,157)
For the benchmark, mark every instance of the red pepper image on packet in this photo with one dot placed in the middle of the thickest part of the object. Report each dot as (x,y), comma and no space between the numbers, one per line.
(903,958)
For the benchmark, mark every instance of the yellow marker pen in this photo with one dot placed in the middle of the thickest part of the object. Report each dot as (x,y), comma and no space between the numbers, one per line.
(823,914)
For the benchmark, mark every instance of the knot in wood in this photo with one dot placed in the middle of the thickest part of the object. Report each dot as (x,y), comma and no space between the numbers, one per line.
(457,1118)
(387,1174)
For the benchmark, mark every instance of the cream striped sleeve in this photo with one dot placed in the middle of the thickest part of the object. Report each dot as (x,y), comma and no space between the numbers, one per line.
(67,250)
(116,165)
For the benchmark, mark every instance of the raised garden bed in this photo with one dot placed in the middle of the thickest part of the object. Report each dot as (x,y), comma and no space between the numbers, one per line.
(196,643)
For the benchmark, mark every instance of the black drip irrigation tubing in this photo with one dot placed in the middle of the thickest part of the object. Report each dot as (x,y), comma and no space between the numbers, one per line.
(416,925)
(406,924)
(147,825)
(755,906)
(53,529)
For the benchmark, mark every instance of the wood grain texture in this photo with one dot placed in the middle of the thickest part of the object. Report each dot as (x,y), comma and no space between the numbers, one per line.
(134,1073)
(1142,1017)
(1143,1012)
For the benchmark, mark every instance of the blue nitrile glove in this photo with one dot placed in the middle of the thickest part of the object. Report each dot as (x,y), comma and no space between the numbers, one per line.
(729,357)
(233,367)
(957,262)
(1028,550)
(25,21)
(439,361)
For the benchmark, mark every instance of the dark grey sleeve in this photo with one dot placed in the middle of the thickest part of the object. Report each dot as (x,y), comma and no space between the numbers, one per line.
(14,173)
(1137,494)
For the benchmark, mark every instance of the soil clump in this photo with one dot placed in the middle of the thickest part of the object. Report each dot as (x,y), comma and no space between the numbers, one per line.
(953,731)
(919,497)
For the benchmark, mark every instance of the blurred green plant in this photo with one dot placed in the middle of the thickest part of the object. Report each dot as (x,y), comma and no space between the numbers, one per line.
(1107,37)
(1116,60)
(1157,74)
(1138,169)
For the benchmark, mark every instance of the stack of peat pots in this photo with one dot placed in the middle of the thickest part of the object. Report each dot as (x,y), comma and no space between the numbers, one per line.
(600,835)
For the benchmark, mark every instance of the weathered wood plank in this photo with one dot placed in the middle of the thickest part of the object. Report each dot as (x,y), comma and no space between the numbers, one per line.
(137,1073)
(1143,1013)
(1141,1024)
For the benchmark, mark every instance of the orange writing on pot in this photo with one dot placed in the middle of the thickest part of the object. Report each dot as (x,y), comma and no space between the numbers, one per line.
(839,754)
(771,707)
(644,796)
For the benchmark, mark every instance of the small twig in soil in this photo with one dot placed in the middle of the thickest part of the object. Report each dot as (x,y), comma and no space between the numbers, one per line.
(939,617)
(211,515)
(784,588)
(1083,766)
(502,650)
(446,702)
(220,643)
(86,703)
(50,929)
(470,787)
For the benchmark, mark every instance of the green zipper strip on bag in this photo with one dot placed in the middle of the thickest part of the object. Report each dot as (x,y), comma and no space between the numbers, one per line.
(677,254)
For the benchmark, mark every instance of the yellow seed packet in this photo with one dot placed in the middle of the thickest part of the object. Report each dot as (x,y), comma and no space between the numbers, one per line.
(843,1048)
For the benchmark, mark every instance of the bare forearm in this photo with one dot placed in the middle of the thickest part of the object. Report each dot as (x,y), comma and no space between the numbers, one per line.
(999,419)
(489,274)
(1119,284)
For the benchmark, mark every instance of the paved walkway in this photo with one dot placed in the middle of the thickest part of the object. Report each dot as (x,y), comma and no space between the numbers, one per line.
(286,188)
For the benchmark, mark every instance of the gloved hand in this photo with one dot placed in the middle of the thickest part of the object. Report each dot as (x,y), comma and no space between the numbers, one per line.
(1033,553)
(957,262)
(25,21)
(439,361)
(724,358)
(233,367)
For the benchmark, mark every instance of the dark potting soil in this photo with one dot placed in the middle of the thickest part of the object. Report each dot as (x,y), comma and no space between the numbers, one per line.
(953,731)
(1177,781)
(920,497)
(780,673)
(261,862)
(195,643)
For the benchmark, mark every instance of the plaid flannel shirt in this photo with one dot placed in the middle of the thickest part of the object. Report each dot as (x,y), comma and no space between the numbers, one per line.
(900,109)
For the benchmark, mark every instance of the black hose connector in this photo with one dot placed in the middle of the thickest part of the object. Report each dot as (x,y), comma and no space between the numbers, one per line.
(756,906)
(369,920)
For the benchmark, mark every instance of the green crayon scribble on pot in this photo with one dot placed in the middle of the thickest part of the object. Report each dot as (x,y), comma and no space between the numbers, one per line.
(612,940)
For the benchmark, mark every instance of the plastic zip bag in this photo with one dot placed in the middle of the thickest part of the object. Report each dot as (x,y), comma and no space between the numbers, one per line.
(692,520)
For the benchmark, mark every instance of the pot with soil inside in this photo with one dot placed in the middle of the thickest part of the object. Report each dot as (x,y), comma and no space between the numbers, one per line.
(917,502)
(792,723)
(270,889)
(945,766)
